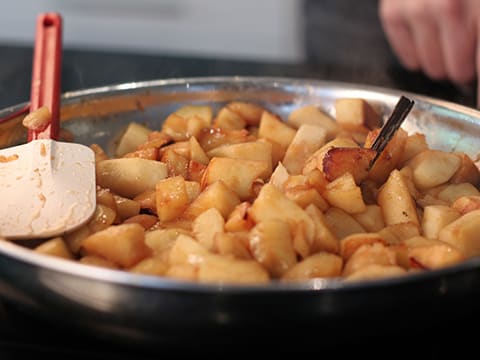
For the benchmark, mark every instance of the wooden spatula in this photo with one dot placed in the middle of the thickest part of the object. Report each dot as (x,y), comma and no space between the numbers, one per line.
(47,187)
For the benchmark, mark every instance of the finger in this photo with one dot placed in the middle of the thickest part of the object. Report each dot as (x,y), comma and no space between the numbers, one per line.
(398,33)
(427,41)
(457,38)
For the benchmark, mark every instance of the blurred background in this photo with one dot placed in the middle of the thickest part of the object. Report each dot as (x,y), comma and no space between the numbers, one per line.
(114,41)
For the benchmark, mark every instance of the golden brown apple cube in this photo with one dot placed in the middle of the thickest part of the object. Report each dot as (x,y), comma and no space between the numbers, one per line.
(184,272)
(238,175)
(186,250)
(351,243)
(371,219)
(175,127)
(234,244)
(368,254)
(467,173)
(324,239)
(214,137)
(160,241)
(312,115)
(147,200)
(396,202)
(279,176)
(271,204)
(238,219)
(122,244)
(207,225)
(315,161)
(129,177)
(431,254)
(172,198)
(396,233)
(342,223)
(431,168)
(222,269)
(102,218)
(376,271)
(216,195)
(106,197)
(271,245)
(203,112)
(344,194)
(273,128)
(73,239)
(193,190)
(126,207)
(196,152)
(356,114)
(451,192)
(463,234)
(319,265)
(55,247)
(229,120)
(196,171)
(134,135)
(256,150)
(307,140)
(414,144)
(435,218)
(150,266)
(340,160)
(177,165)
(465,204)
(250,112)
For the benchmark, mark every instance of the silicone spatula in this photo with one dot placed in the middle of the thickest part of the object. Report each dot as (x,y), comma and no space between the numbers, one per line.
(47,187)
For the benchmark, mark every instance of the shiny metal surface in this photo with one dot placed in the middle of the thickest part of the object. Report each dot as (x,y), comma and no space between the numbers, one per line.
(125,306)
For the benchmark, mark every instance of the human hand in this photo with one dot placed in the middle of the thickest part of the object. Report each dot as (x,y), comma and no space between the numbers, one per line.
(439,37)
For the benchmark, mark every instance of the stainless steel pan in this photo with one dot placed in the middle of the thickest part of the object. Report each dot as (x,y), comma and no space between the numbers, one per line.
(125,306)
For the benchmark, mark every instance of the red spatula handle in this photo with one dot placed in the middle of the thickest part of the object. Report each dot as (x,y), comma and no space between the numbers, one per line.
(46,72)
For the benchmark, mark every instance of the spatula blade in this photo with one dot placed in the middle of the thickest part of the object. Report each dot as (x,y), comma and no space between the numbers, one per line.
(47,188)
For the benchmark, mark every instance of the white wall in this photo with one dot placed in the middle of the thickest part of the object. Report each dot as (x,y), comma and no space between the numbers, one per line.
(240,29)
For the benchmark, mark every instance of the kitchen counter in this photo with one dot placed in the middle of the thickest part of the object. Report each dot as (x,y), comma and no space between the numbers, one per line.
(23,334)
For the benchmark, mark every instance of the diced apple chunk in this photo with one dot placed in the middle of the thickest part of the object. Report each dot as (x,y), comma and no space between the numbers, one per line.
(134,135)
(396,202)
(129,177)
(312,115)
(274,129)
(271,204)
(122,244)
(344,194)
(271,246)
(207,225)
(256,150)
(238,175)
(171,197)
(55,247)
(435,218)
(463,234)
(306,141)
(216,195)
(319,265)
(431,168)
(356,115)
